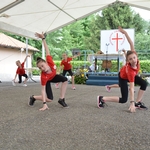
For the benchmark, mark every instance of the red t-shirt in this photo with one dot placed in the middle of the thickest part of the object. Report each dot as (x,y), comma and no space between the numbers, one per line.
(66,63)
(21,70)
(129,73)
(48,76)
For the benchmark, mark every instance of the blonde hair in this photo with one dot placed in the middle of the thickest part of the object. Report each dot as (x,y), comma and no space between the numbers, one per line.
(18,62)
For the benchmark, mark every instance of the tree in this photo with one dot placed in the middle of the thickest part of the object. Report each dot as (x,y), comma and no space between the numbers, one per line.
(68,38)
(117,14)
(85,34)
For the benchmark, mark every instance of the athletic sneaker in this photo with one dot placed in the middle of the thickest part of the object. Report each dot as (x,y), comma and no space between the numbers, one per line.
(24,85)
(100,102)
(73,87)
(62,102)
(13,83)
(140,105)
(107,88)
(32,100)
(57,85)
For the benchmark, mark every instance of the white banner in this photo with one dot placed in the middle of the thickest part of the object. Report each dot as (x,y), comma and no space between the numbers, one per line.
(112,41)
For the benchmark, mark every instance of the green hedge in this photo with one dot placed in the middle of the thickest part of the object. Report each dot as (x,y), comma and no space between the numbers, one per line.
(145,66)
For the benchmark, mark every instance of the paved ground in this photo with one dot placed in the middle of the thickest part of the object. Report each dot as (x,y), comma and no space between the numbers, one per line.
(81,127)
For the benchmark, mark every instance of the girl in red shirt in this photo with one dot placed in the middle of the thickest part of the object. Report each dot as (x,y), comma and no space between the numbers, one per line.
(48,75)
(20,72)
(128,73)
(66,66)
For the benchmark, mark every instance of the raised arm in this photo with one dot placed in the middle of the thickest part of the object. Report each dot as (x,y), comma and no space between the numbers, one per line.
(41,36)
(76,55)
(26,58)
(128,38)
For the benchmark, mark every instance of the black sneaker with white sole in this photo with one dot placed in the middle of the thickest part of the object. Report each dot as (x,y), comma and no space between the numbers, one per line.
(100,102)
(62,102)
(140,105)
(32,100)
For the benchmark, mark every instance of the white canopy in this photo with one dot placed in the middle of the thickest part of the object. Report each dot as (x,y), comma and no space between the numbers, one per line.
(25,17)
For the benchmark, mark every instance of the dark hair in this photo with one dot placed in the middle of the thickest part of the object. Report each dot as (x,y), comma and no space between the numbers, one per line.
(39,59)
(129,53)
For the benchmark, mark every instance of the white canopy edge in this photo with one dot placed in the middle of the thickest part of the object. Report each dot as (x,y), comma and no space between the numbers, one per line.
(49,15)
(17,31)
(22,32)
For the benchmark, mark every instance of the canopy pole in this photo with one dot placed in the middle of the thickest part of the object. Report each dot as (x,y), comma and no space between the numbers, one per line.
(43,51)
(27,54)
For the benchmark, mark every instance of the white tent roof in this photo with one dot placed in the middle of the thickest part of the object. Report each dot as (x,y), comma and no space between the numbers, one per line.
(25,17)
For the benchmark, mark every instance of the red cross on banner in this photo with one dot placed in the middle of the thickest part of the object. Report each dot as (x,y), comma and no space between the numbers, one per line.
(117,39)
(113,40)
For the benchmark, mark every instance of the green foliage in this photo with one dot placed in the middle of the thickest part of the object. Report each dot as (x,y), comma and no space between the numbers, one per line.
(36,72)
(117,15)
(145,66)
(80,69)
(114,67)
(85,34)
(80,64)
(80,76)
(111,17)
(79,79)
(66,39)
(75,65)
(142,43)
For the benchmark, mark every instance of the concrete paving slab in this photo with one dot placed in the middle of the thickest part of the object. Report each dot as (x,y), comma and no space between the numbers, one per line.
(81,127)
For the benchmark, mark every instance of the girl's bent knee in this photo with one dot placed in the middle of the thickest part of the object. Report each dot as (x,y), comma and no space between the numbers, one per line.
(123,100)
(144,86)
(65,79)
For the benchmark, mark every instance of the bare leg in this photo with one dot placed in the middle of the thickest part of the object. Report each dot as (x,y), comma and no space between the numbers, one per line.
(25,80)
(72,79)
(39,97)
(63,89)
(113,86)
(108,87)
(140,95)
(111,99)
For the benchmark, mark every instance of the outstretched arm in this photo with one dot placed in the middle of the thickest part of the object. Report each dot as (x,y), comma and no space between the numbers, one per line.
(128,38)
(41,36)
(76,55)
(15,77)
(26,58)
